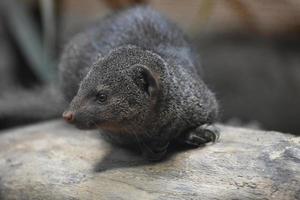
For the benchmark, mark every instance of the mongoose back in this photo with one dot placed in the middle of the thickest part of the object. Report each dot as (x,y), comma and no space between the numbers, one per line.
(135,77)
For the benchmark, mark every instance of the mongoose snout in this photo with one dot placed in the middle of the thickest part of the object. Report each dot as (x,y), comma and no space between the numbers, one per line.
(68,116)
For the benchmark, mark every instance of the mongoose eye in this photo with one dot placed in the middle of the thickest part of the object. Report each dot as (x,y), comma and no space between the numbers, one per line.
(100,97)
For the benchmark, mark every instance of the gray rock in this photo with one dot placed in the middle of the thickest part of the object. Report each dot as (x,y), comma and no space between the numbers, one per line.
(55,161)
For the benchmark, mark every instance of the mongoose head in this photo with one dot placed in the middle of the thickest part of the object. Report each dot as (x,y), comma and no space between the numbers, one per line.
(121,89)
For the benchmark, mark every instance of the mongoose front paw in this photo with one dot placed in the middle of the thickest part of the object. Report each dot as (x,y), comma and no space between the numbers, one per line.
(155,151)
(202,135)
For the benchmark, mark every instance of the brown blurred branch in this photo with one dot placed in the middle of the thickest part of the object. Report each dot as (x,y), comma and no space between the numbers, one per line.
(119,4)
(244,13)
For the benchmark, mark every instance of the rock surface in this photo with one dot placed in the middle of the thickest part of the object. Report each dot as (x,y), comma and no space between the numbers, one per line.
(55,161)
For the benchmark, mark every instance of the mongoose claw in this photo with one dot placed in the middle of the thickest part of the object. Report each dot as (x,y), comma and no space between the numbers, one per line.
(203,134)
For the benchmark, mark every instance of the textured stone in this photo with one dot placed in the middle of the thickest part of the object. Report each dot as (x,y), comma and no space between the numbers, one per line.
(55,161)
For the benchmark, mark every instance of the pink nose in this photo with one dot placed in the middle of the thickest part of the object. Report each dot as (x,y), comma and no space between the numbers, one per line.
(68,116)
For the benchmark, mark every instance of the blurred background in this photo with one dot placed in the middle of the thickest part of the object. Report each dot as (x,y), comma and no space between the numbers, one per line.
(249,49)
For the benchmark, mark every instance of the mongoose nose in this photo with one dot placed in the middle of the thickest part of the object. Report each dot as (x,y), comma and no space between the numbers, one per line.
(68,116)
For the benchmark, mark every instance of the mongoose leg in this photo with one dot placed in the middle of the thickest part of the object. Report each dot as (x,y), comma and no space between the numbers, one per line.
(202,134)
(156,150)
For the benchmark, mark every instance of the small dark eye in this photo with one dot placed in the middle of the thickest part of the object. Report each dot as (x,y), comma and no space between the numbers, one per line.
(101,97)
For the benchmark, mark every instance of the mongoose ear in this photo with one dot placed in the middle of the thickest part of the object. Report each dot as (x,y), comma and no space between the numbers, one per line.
(146,80)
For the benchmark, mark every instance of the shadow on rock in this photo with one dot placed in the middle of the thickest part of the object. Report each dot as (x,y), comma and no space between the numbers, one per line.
(118,158)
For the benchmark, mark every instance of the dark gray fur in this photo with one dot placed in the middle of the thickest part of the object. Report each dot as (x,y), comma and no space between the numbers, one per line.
(148,70)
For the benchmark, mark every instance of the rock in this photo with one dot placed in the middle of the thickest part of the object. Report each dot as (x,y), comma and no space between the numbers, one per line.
(55,161)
